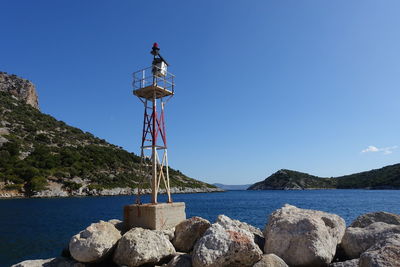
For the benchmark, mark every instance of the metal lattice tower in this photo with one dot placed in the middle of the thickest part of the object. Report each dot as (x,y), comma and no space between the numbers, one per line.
(154,86)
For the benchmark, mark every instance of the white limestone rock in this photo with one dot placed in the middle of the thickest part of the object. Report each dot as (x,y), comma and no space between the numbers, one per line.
(270,260)
(188,232)
(53,262)
(257,233)
(303,237)
(94,243)
(364,220)
(385,253)
(142,246)
(357,240)
(225,244)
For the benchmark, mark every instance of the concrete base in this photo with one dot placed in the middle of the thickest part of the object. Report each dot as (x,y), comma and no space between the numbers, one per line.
(154,216)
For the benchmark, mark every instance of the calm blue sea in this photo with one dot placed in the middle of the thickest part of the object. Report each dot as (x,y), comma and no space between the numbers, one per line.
(40,228)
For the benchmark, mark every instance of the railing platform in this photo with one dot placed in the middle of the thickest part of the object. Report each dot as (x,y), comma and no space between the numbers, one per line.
(149,92)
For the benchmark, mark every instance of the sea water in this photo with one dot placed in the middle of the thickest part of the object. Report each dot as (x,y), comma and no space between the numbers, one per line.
(41,228)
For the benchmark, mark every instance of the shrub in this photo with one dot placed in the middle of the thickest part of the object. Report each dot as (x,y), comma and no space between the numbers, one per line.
(10,187)
(37,183)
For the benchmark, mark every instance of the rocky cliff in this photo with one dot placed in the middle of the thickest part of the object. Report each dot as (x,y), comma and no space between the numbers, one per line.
(20,88)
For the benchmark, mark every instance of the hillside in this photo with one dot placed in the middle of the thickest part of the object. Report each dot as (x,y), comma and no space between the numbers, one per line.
(41,156)
(384,178)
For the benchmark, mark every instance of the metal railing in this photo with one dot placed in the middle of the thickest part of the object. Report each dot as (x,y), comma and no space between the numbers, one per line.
(145,77)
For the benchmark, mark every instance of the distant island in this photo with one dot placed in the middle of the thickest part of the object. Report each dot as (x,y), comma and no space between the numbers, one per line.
(44,157)
(232,187)
(384,178)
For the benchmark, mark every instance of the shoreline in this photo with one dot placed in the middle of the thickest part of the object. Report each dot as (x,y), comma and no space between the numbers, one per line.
(105,192)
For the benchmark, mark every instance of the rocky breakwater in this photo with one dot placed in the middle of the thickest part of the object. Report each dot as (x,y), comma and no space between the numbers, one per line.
(20,88)
(292,237)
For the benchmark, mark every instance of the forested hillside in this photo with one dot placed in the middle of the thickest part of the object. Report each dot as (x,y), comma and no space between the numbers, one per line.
(37,150)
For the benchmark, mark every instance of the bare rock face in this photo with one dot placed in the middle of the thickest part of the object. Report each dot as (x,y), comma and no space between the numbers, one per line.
(357,240)
(142,246)
(303,237)
(257,233)
(385,253)
(225,244)
(53,262)
(270,260)
(184,260)
(349,263)
(22,89)
(188,232)
(94,243)
(369,218)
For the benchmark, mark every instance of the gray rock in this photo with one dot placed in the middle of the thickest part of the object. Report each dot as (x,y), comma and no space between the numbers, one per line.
(142,246)
(169,233)
(385,253)
(349,263)
(184,260)
(225,244)
(188,232)
(118,224)
(270,260)
(369,218)
(357,240)
(303,237)
(94,243)
(21,88)
(257,233)
(53,262)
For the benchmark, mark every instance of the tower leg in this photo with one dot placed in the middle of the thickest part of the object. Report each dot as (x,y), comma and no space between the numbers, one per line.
(154,176)
(154,154)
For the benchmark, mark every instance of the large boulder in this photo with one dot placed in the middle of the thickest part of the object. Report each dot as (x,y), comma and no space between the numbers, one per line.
(385,253)
(226,245)
(303,237)
(381,216)
(183,260)
(169,233)
(118,224)
(349,263)
(188,232)
(257,233)
(53,262)
(357,240)
(94,243)
(270,260)
(142,246)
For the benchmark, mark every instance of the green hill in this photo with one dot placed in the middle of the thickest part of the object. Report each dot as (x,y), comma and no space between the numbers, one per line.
(384,178)
(37,152)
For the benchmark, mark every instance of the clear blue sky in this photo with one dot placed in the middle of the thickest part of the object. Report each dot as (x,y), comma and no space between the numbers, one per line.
(261,85)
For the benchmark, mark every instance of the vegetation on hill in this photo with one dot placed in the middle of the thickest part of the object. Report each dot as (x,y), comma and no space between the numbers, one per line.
(35,148)
(287,179)
(384,178)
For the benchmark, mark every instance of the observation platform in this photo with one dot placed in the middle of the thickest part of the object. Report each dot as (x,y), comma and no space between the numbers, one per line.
(153,82)
(151,91)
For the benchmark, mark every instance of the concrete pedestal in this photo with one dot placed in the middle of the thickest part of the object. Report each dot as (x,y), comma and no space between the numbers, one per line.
(154,216)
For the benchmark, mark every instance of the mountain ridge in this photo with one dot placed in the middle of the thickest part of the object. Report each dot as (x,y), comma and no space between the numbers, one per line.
(387,177)
(232,187)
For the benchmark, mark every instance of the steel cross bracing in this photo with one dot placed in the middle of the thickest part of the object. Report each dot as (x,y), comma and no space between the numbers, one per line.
(154,156)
